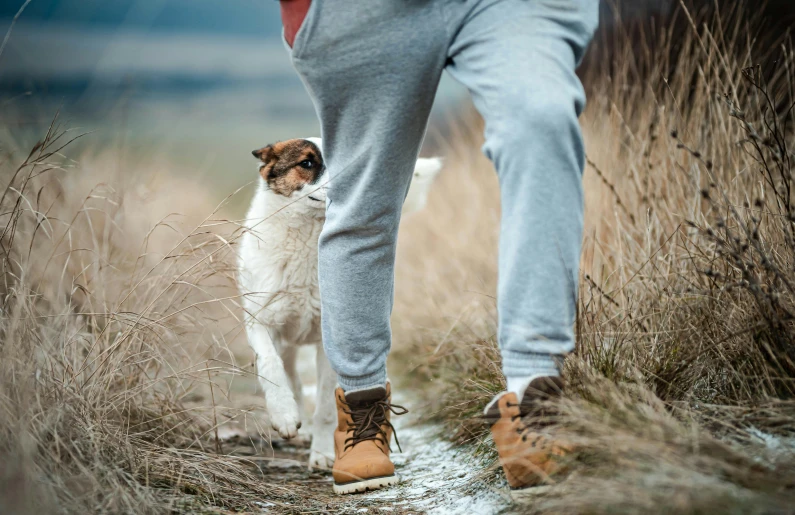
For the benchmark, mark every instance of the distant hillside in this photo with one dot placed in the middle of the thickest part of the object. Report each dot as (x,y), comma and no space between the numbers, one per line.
(238,17)
(70,47)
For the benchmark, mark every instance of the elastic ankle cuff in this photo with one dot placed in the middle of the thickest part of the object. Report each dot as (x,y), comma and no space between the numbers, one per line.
(515,364)
(350,384)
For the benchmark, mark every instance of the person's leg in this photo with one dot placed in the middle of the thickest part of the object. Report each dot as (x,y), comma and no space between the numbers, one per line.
(372,70)
(518,59)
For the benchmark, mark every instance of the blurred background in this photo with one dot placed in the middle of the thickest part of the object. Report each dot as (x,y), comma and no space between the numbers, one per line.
(197,82)
(205,80)
(201,81)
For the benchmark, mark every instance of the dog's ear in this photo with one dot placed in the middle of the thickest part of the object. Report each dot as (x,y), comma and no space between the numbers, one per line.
(264,154)
(267,157)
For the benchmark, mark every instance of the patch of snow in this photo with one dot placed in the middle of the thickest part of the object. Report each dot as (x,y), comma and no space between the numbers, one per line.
(437,478)
(773,442)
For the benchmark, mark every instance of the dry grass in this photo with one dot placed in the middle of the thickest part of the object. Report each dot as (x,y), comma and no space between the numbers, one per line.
(114,311)
(686,343)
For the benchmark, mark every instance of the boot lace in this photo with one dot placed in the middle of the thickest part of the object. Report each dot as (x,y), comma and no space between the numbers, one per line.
(370,422)
(530,420)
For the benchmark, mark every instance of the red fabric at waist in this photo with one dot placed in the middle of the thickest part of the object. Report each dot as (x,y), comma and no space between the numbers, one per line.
(293,14)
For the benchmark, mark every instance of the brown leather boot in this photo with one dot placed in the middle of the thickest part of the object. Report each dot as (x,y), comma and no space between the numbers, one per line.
(361,440)
(528,453)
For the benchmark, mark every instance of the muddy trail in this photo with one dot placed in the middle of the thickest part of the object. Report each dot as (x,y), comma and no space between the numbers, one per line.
(437,477)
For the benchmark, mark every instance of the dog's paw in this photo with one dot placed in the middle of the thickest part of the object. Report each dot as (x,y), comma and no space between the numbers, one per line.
(285,420)
(319,460)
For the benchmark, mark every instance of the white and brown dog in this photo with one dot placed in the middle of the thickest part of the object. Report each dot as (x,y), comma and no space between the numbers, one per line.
(279,283)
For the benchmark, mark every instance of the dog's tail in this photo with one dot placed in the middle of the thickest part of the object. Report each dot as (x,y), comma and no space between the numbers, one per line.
(425,172)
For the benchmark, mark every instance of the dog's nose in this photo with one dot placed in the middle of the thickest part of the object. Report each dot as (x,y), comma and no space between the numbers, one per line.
(255,153)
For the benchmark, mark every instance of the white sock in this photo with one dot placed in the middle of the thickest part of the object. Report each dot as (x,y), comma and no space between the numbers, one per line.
(519,384)
(541,366)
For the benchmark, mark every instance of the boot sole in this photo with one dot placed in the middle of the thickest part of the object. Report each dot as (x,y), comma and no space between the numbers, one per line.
(529,494)
(366,485)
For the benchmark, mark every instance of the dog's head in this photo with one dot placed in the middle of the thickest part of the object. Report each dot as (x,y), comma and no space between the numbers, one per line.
(295,169)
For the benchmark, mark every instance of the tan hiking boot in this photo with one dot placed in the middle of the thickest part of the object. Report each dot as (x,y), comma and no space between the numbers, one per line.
(361,440)
(528,453)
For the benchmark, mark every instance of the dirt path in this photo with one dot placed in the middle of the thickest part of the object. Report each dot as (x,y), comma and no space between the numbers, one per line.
(436,477)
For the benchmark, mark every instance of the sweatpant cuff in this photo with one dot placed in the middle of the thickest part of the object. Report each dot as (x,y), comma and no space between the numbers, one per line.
(526,364)
(373,380)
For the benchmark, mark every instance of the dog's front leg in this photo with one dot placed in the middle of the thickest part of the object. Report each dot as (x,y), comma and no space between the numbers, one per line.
(321,454)
(283,412)
(289,355)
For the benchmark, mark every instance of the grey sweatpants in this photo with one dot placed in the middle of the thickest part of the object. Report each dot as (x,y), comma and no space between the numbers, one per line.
(372,68)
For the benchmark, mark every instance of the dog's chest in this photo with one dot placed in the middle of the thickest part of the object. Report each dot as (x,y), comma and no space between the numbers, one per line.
(282,265)
(297,260)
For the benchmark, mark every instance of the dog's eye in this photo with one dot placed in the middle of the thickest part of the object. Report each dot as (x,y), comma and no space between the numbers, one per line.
(306,164)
